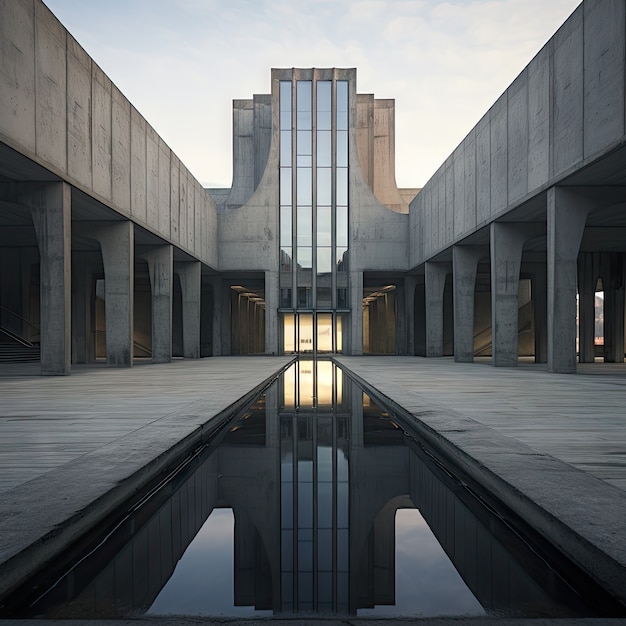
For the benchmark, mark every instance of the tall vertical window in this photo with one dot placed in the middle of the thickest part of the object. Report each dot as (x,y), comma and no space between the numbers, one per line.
(313,211)
(286,193)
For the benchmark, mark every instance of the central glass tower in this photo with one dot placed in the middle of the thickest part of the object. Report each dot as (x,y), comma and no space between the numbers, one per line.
(314,207)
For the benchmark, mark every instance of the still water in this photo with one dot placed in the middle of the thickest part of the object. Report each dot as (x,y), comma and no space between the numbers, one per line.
(313,500)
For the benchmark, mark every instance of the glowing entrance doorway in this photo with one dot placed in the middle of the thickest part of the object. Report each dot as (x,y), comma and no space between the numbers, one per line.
(312,333)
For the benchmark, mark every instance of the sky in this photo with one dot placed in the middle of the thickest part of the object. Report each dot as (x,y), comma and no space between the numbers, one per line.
(181,63)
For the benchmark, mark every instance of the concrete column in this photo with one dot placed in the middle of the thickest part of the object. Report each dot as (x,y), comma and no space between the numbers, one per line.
(537,270)
(83,340)
(614,309)
(117,241)
(207,302)
(14,287)
(408,346)
(271,312)
(190,283)
(401,321)
(587,279)
(356,316)
(390,319)
(160,267)
(614,326)
(218,303)
(367,333)
(31,329)
(51,208)
(464,267)
(567,214)
(507,241)
(435,281)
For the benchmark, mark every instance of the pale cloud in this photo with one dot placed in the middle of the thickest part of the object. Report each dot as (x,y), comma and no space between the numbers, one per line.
(182,62)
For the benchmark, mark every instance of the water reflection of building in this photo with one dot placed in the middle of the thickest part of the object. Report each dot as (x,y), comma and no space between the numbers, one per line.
(314,473)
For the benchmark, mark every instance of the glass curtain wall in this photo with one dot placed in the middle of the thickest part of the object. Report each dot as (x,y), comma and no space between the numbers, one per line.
(313,214)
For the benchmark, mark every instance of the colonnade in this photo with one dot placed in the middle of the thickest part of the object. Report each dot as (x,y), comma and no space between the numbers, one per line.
(559,272)
(73,256)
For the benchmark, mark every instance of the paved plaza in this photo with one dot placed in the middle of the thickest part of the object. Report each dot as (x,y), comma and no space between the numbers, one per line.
(578,418)
(73,447)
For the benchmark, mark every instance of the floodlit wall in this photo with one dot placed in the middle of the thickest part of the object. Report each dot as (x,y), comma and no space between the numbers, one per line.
(563,111)
(58,108)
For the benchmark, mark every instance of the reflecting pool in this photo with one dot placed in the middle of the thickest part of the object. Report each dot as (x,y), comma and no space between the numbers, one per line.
(314,499)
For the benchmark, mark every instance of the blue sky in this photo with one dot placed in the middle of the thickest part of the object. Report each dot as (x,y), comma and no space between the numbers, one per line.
(182,62)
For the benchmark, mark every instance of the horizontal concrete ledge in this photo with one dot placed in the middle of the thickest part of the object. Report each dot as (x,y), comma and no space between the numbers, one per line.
(41,518)
(581,515)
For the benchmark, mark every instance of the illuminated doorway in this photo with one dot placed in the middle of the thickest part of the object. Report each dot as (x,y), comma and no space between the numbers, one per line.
(312,333)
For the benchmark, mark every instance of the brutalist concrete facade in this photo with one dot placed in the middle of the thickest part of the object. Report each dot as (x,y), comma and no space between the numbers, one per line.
(109,249)
(249,215)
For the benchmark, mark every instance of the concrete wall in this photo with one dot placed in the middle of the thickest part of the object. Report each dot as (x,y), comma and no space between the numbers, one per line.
(58,108)
(564,110)
(375,129)
(248,234)
(378,234)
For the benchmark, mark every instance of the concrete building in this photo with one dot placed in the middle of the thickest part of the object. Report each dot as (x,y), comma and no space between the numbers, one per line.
(315,209)
(110,249)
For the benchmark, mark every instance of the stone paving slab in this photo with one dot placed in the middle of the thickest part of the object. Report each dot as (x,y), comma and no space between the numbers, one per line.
(463,411)
(327,621)
(578,418)
(73,448)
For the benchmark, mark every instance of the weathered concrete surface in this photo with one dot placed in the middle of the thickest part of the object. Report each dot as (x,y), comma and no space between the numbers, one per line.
(565,109)
(74,448)
(58,108)
(326,621)
(466,415)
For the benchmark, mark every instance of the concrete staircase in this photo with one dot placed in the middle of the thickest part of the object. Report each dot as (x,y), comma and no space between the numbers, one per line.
(13,349)
(482,339)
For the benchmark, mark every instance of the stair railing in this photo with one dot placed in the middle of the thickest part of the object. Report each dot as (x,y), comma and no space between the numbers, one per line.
(16,336)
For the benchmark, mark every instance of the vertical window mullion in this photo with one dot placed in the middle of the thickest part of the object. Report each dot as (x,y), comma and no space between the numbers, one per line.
(314,204)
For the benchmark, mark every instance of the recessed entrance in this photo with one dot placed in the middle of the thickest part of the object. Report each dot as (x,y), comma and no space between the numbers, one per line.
(308,333)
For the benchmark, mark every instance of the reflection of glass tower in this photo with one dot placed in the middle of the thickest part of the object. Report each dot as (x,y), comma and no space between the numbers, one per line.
(313,209)
(314,490)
